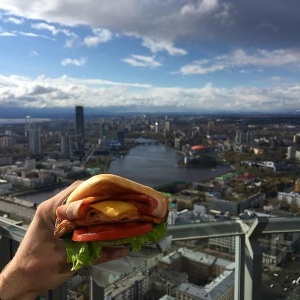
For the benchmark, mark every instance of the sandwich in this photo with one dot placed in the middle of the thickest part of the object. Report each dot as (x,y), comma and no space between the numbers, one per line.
(108,210)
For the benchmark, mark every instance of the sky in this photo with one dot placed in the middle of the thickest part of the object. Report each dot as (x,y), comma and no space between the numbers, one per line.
(150,55)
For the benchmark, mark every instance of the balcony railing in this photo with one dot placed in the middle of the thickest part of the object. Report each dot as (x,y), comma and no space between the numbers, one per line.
(248,254)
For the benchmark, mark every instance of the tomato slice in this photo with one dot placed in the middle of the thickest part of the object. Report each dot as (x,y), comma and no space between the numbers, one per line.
(110,231)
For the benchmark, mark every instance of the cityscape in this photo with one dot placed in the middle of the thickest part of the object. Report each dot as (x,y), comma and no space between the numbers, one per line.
(226,167)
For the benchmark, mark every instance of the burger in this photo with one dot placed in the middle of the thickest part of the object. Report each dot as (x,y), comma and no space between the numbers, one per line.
(108,210)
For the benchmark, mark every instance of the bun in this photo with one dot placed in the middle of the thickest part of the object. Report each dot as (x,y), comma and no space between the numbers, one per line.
(113,185)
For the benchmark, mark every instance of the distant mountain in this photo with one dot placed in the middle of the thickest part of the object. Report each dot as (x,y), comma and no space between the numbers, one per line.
(69,112)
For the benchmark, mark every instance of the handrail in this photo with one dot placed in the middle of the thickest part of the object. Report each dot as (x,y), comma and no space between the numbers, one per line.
(248,254)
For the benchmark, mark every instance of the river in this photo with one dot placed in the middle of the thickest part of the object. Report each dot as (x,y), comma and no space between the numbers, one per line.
(151,165)
(155,165)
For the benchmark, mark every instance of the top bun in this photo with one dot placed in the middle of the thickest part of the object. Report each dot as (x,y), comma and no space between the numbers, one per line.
(109,184)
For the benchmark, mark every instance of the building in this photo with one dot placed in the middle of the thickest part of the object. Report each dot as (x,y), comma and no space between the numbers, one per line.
(65,145)
(5,141)
(222,288)
(224,244)
(164,282)
(198,265)
(290,198)
(34,140)
(133,286)
(79,114)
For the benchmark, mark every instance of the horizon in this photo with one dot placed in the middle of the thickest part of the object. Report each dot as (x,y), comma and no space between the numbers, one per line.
(172,57)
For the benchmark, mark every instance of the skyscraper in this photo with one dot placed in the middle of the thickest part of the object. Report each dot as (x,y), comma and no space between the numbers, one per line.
(65,145)
(34,141)
(79,126)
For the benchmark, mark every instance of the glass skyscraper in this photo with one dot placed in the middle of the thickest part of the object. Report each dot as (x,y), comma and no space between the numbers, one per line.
(79,113)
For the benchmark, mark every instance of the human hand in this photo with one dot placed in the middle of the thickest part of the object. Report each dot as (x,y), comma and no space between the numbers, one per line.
(40,263)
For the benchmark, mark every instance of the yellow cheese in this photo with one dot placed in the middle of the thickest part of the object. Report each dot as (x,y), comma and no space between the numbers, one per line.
(113,208)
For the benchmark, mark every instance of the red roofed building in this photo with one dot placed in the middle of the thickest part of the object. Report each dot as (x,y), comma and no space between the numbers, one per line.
(199,149)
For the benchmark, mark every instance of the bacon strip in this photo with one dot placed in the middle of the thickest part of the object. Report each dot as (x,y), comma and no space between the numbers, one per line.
(145,205)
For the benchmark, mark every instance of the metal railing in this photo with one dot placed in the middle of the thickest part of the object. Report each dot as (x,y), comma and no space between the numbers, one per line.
(248,254)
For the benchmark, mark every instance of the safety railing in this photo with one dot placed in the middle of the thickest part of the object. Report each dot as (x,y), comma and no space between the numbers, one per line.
(248,252)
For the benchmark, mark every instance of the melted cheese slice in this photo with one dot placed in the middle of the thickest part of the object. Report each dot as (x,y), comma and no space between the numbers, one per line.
(114,208)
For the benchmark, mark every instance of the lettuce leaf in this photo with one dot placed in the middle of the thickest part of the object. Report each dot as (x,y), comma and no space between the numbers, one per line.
(82,254)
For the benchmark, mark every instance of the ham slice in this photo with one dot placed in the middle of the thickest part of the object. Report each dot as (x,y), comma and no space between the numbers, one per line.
(146,205)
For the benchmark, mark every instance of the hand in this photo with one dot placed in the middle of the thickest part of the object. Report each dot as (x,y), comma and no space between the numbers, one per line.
(40,263)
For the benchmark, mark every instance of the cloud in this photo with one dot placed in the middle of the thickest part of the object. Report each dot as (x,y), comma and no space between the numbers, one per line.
(233,21)
(200,7)
(76,62)
(54,30)
(33,53)
(13,20)
(5,33)
(240,58)
(162,45)
(67,91)
(142,61)
(29,34)
(100,35)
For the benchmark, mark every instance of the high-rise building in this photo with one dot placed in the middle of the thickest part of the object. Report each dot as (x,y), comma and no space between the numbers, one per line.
(65,145)
(33,134)
(79,113)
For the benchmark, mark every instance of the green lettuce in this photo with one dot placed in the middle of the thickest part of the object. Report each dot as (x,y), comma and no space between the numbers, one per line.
(82,254)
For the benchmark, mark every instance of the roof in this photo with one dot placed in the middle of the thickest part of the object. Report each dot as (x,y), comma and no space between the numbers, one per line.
(199,147)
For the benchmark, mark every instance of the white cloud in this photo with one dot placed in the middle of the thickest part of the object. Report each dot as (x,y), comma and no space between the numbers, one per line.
(44,26)
(76,62)
(67,91)
(240,58)
(6,33)
(199,67)
(100,35)
(200,7)
(162,45)
(142,61)
(29,34)
(13,20)
(33,53)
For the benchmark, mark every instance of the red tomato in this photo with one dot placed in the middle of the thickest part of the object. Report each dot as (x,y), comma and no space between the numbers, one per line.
(110,231)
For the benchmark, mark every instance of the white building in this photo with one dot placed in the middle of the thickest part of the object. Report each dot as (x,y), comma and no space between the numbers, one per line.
(34,140)
(290,198)
(5,141)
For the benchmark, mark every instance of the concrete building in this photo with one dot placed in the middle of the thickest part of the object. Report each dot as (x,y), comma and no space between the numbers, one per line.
(65,145)
(133,286)
(6,141)
(224,244)
(290,198)
(166,281)
(34,140)
(186,201)
(199,266)
(79,118)
(221,288)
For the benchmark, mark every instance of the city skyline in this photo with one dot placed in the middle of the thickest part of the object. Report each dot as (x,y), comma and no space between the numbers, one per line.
(151,56)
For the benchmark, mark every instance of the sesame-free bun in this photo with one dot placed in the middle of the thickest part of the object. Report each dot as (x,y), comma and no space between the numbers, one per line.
(113,185)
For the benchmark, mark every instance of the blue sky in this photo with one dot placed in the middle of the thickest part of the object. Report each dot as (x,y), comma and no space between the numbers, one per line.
(168,55)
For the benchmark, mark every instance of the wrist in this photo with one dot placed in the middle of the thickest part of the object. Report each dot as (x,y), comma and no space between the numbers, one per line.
(14,286)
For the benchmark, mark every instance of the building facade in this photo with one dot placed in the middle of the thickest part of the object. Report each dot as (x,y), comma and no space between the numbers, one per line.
(79,114)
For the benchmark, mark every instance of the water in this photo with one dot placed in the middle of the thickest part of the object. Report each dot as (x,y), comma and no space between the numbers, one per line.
(155,165)
(151,165)
(22,120)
